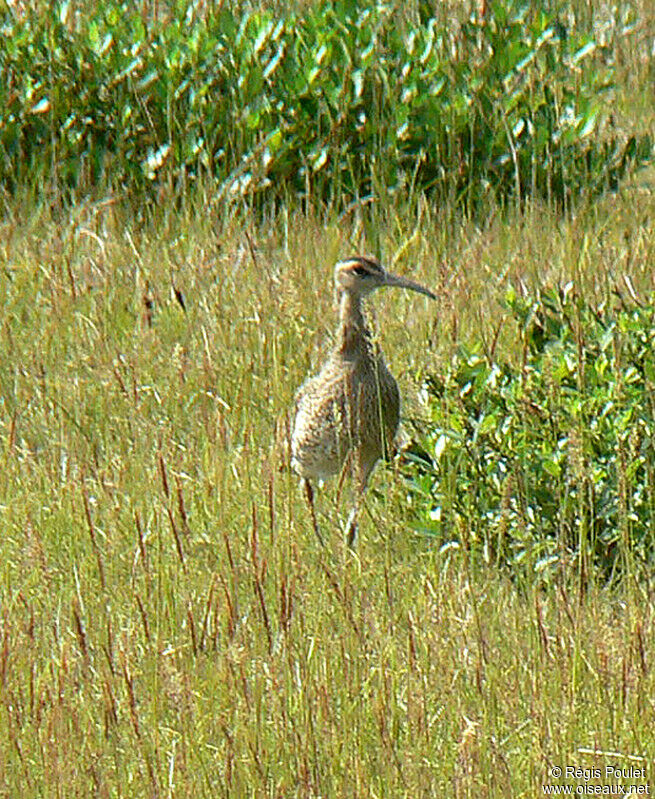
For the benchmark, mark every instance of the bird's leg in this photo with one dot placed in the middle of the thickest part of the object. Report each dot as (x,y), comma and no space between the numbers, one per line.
(351,528)
(363,472)
(346,469)
(309,493)
(354,462)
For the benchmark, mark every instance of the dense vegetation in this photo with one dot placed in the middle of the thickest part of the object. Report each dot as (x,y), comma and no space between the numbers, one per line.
(177,179)
(552,457)
(334,102)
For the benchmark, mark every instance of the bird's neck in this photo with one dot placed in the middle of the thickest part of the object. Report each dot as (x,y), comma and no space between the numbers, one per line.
(353,335)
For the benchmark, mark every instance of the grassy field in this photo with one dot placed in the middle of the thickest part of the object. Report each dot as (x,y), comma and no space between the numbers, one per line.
(169,626)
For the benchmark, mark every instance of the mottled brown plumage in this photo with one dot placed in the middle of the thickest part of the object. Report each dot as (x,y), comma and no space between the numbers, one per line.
(350,411)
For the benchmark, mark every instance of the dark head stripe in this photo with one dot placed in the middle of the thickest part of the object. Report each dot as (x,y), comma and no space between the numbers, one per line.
(360,260)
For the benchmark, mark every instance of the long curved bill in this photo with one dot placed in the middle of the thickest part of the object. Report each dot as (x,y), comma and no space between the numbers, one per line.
(405,283)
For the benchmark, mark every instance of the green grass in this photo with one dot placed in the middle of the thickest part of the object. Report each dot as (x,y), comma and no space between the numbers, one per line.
(169,624)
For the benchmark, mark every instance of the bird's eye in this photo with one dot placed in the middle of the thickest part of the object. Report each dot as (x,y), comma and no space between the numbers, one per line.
(360,271)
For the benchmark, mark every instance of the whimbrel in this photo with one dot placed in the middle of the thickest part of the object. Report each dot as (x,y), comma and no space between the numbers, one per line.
(348,414)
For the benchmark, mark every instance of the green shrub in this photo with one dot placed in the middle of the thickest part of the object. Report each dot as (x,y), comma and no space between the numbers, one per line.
(338,101)
(552,460)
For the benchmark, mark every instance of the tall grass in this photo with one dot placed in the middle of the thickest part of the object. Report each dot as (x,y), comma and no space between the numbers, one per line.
(170,626)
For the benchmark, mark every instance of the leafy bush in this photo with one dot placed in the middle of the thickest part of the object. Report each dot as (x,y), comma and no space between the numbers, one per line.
(337,101)
(553,459)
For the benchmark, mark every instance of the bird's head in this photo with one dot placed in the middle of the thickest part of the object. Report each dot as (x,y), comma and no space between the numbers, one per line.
(360,275)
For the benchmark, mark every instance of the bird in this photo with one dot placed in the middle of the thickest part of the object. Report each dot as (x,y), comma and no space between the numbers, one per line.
(347,415)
